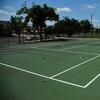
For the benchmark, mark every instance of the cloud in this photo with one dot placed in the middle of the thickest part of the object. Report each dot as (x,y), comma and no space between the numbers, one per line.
(5,13)
(6,18)
(8,8)
(64,9)
(49,23)
(89,6)
(95,20)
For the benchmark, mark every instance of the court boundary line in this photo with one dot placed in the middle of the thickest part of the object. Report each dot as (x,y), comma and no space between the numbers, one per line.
(22,47)
(90,82)
(59,50)
(39,46)
(75,66)
(89,53)
(53,79)
(66,51)
(78,46)
(43,76)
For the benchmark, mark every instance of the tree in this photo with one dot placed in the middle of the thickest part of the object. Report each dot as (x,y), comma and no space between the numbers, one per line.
(97,30)
(85,26)
(60,27)
(38,15)
(67,26)
(17,25)
(9,29)
(50,31)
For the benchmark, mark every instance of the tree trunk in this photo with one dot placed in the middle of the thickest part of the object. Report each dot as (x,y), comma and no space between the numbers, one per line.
(41,37)
(19,38)
(8,41)
(40,34)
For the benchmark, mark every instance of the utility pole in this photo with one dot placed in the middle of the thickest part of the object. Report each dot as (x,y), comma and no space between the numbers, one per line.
(24,4)
(92,24)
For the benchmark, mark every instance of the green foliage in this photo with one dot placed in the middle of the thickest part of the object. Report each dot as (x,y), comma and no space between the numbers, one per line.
(9,29)
(38,15)
(85,26)
(97,30)
(17,25)
(67,26)
(50,30)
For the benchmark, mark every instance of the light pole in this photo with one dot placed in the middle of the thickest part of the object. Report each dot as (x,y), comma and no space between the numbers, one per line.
(92,23)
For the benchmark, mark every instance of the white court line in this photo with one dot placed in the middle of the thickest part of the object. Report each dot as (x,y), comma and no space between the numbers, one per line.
(72,47)
(75,66)
(80,64)
(11,48)
(22,48)
(7,49)
(40,75)
(89,83)
(83,52)
(65,51)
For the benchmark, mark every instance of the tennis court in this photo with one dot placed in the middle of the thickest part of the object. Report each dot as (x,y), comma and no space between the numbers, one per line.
(60,70)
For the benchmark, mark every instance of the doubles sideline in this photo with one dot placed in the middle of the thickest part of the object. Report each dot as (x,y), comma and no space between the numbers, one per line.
(52,77)
(89,83)
(40,75)
(75,66)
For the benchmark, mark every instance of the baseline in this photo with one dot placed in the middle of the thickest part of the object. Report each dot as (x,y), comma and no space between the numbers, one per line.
(43,76)
(65,51)
(72,47)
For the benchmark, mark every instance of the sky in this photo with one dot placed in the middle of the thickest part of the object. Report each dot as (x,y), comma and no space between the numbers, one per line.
(79,9)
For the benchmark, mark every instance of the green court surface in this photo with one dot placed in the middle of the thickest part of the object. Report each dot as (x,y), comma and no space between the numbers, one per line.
(67,70)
